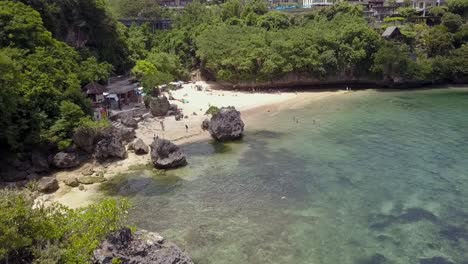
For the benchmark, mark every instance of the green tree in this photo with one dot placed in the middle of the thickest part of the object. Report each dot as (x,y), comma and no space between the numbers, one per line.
(452,21)
(22,27)
(54,234)
(62,130)
(273,20)
(458,7)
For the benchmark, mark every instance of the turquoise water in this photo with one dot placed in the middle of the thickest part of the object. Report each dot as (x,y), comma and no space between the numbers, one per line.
(378,177)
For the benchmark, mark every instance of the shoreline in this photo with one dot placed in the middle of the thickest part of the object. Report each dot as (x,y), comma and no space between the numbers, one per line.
(251,105)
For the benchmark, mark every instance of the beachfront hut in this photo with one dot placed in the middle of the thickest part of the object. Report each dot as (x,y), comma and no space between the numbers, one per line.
(124,91)
(95,92)
(393,33)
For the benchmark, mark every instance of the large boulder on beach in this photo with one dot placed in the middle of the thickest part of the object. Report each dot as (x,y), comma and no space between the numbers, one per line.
(126,134)
(166,155)
(141,247)
(159,106)
(129,121)
(139,147)
(226,124)
(110,147)
(47,184)
(65,160)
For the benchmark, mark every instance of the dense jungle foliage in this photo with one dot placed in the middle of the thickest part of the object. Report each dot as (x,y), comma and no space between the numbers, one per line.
(54,234)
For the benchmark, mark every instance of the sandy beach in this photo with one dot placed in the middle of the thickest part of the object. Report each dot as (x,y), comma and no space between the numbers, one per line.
(194,104)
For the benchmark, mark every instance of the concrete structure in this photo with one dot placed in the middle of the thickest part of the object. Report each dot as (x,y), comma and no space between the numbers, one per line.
(311,3)
(175,3)
(155,24)
(422,5)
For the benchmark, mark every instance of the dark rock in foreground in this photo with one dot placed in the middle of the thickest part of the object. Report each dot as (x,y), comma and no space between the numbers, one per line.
(226,124)
(65,160)
(142,247)
(166,155)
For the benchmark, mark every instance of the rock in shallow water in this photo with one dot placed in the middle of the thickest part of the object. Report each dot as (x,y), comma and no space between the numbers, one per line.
(91,179)
(141,247)
(166,155)
(226,124)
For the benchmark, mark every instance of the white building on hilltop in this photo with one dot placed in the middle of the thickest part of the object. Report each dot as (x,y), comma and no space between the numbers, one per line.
(311,3)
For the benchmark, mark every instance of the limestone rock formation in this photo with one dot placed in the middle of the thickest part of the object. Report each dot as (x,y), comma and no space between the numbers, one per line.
(110,147)
(166,155)
(226,124)
(85,139)
(39,161)
(65,160)
(47,184)
(139,147)
(159,106)
(127,134)
(129,121)
(142,247)
(72,182)
(91,179)
(205,124)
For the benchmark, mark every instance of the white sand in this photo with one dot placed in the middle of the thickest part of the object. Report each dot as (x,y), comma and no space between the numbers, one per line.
(251,105)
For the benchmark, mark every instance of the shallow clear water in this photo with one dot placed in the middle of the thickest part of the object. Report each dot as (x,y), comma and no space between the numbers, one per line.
(378,177)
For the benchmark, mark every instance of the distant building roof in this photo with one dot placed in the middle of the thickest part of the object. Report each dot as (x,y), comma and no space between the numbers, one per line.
(121,86)
(391,31)
(94,88)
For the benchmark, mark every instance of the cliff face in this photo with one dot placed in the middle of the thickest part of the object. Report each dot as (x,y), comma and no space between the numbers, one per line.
(298,80)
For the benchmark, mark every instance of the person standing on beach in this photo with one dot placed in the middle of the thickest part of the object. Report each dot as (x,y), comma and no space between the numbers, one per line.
(186,128)
(162,125)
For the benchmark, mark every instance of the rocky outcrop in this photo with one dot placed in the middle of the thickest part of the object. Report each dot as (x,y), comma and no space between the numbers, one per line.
(205,124)
(40,162)
(159,106)
(110,147)
(65,160)
(47,184)
(85,139)
(166,155)
(129,121)
(226,124)
(127,134)
(72,182)
(142,247)
(91,179)
(139,147)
